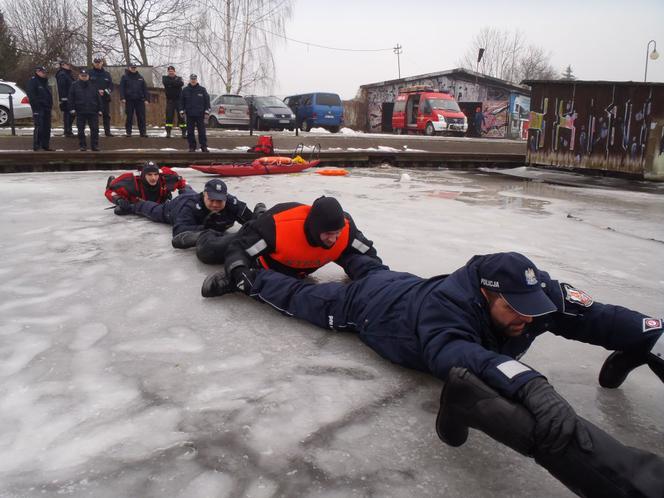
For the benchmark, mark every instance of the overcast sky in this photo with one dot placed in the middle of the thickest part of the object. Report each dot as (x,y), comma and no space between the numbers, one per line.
(601,39)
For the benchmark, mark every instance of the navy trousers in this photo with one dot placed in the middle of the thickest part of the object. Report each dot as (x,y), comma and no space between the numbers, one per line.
(41,136)
(196,122)
(135,107)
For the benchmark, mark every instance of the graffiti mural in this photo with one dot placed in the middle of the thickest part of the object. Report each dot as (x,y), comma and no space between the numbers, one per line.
(462,89)
(595,125)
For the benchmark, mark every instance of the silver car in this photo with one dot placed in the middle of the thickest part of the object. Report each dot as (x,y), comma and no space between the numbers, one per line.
(229,110)
(22,109)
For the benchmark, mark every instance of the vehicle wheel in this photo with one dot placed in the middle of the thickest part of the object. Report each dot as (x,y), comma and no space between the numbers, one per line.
(213,123)
(4,116)
(334,129)
(399,131)
(305,126)
(429,130)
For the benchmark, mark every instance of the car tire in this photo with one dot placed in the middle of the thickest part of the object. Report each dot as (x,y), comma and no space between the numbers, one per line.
(4,116)
(398,131)
(213,123)
(334,129)
(429,129)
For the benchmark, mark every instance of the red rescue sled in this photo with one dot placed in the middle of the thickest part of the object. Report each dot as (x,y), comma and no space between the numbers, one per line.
(262,166)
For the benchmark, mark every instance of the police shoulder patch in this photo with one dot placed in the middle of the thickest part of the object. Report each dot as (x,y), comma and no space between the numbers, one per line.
(652,324)
(576,296)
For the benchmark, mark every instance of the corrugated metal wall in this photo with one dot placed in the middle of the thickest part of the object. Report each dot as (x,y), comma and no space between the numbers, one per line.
(603,126)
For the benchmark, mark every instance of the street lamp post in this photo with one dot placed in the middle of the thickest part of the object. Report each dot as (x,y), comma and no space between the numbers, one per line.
(652,55)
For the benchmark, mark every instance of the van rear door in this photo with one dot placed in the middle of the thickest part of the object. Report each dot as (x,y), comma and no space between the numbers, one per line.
(327,107)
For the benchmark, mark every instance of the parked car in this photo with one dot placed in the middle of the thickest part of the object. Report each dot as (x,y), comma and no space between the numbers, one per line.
(422,109)
(317,109)
(20,102)
(271,113)
(229,110)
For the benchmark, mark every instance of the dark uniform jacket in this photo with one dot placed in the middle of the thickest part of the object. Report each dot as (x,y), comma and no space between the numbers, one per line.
(195,101)
(172,87)
(442,322)
(256,245)
(102,80)
(133,87)
(84,98)
(65,80)
(39,94)
(187,213)
(130,187)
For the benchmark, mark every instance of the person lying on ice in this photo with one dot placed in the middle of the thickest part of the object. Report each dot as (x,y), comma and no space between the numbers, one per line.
(151,184)
(292,238)
(192,213)
(469,329)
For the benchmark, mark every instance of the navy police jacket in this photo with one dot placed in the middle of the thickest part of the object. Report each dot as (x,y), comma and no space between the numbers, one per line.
(39,94)
(132,87)
(195,101)
(442,322)
(187,213)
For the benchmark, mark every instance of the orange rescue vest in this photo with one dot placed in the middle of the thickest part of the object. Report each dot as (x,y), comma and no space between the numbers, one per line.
(293,248)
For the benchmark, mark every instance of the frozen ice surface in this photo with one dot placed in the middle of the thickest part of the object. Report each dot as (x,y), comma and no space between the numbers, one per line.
(118,379)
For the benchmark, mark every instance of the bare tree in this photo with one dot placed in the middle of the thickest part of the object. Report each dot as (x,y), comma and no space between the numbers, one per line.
(148,25)
(534,65)
(233,39)
(46,30)
(507,56)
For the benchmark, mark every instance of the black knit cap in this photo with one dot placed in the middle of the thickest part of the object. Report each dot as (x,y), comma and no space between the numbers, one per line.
(326,215)
(149,167)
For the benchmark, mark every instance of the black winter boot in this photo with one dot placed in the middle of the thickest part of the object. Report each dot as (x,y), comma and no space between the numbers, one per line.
(217,284)
(168,132)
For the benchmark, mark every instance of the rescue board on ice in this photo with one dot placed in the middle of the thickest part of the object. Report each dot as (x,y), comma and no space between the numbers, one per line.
(270,165)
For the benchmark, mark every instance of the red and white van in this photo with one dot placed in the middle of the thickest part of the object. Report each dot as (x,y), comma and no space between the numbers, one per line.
(420,109)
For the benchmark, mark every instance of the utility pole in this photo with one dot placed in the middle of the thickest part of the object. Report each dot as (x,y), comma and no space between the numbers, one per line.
(89,40)
(398,50)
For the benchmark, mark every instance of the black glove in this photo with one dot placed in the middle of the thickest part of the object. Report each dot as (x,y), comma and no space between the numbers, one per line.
(123,203)
(243,278)
(555,420)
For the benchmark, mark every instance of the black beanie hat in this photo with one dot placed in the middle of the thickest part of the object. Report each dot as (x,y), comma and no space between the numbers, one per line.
(149,167)
(326,215)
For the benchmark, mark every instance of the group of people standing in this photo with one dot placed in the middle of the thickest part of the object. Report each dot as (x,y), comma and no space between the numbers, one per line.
(86,98)
(468,328)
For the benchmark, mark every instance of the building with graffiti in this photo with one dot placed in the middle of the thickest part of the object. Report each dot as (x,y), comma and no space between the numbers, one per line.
(607,126)
(494,107)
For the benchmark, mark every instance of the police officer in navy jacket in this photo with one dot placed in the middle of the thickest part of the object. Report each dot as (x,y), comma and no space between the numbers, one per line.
(195,104)
(65,79)
(470,328)
(41,102)
(84,102)
(191,213)
(134,94)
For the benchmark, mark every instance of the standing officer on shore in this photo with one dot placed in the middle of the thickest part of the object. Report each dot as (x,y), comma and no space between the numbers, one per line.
(173,88)
(41,102)
(65,80)
(102,80)
(134,94)
(195,103)
(85,103)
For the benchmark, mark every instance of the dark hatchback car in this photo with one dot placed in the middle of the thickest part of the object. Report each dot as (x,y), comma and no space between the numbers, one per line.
(270,113)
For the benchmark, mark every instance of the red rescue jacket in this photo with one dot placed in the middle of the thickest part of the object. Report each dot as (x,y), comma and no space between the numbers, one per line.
(129,186)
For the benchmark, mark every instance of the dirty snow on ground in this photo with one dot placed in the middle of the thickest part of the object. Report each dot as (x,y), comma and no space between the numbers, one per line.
(118,379)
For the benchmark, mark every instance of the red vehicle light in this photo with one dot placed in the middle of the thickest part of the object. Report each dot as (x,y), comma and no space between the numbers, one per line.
(25,100)
(222,110)
(314,116)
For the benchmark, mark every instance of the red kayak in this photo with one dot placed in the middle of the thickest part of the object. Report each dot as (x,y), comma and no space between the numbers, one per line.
(261,166)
